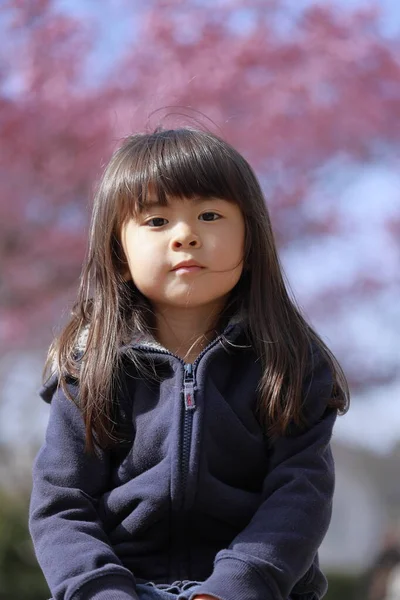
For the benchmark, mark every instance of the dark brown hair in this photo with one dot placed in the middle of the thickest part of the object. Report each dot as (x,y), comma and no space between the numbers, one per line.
(184,163)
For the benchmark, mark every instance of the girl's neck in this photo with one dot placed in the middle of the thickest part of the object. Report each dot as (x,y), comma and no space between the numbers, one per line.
(186,331)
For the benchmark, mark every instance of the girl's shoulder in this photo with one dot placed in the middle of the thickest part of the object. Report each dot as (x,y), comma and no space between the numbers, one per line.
(53,381)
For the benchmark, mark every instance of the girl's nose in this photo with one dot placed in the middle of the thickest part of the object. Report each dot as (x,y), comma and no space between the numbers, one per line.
(185,238)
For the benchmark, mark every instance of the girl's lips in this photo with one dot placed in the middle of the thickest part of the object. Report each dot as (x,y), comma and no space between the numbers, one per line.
(188,269)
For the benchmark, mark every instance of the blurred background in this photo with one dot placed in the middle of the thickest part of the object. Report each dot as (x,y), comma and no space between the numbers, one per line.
(309,92)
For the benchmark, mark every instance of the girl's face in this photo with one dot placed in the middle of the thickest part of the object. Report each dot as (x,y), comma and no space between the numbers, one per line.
(208,232)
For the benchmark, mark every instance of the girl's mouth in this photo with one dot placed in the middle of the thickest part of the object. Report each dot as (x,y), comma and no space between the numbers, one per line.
(188,269)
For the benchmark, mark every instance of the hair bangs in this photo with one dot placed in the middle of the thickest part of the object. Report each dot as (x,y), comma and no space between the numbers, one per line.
(180,163)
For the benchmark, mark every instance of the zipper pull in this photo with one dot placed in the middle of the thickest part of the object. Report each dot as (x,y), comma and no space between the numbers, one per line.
(188,388)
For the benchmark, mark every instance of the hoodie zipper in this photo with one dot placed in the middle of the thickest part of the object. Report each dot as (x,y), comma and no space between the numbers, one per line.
(190,407)
(188,387)
(189,384)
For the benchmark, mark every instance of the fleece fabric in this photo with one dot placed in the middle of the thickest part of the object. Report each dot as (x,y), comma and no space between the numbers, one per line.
(195,491)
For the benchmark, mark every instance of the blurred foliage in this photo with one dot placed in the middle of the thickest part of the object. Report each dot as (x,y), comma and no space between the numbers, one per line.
(343,586)
(20,576)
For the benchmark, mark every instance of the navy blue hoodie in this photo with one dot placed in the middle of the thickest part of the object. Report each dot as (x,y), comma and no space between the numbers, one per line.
(199,492)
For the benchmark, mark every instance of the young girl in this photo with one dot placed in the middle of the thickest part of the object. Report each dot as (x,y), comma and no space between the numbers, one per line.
(187,453)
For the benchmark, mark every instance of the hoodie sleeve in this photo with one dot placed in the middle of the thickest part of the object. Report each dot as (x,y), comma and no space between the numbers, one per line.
(278,546)
(70,543)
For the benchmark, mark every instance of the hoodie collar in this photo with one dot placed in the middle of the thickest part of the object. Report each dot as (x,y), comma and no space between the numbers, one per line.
(146,340)
(234,327)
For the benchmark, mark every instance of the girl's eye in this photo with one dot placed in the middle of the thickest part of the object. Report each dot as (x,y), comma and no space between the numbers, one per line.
(157,222)
(209,216)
